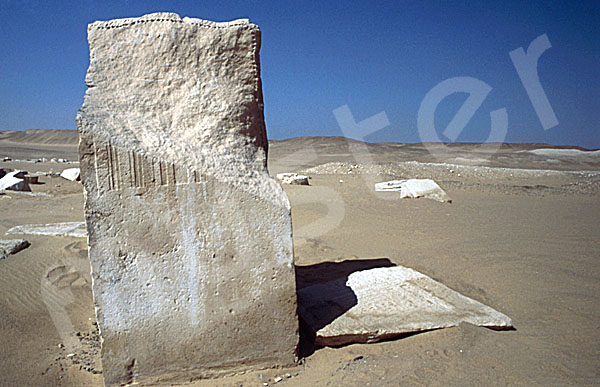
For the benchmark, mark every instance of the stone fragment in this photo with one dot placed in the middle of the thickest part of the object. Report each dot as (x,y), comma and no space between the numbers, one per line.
(72,229)
(376,304)
(415,188)
(190,239)
(292,178)
(31,179)
(71,174)
(14,181)
(12,246)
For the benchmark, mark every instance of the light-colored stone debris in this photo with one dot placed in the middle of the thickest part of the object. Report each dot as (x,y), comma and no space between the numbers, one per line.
(371,305)
(72,229)
(190,238)
(14,181)
(415,188)
(292,178)
(12,246)
(71,174)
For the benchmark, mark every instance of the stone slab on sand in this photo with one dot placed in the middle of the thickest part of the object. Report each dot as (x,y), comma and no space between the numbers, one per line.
(372,305)
(12,246)
(190,239)
(292,178)
(14,181)
(415,188)
(71,174)
(72,229)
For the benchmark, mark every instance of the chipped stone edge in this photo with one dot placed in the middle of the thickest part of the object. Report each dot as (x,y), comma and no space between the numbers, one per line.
(167,17)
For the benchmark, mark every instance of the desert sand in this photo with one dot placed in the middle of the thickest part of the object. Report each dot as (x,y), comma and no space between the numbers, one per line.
(521,235)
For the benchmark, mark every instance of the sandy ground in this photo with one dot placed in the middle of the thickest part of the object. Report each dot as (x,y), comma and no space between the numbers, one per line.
(520,236)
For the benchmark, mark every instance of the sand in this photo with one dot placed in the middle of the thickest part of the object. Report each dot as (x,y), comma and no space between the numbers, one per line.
(520,236)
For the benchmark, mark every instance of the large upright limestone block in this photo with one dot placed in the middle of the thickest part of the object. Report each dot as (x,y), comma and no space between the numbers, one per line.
(190,240)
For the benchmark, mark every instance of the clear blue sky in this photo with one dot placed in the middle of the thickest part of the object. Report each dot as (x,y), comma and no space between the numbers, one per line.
(319,55)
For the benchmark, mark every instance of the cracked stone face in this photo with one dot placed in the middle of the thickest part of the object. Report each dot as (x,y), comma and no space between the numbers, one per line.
(190,239)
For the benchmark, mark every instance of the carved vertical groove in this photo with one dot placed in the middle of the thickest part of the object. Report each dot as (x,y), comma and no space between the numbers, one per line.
(117,169)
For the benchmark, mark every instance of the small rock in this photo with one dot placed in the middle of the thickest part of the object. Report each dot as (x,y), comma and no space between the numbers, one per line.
(12,246)
(292,178)
(71,174)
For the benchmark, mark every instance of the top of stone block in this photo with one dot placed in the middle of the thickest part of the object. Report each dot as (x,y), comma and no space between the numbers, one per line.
(166,17)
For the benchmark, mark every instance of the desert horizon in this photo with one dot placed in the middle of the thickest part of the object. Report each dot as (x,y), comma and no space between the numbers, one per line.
(48,136)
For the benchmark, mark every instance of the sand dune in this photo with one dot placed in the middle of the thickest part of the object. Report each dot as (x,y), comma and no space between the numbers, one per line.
(41,136)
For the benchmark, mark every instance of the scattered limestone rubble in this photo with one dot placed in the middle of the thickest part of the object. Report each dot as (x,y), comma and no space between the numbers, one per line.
(41,160)
(292,178)
(72,229)
(376,304)
(12,246)
(71,174)
(415,188)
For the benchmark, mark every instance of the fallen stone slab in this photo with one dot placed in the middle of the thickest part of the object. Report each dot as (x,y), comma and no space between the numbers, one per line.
(71,174)
(415,188)
(190,239)
(292,178)
(14,181)
(376,304)
(72,229)
(12,246)
(32,194)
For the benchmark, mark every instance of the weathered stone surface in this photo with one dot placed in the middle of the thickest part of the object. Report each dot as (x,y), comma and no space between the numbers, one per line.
(70,174)
(189,237)
(73,229)
(12,246)
(415,188)
(292,178)
(375,304)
